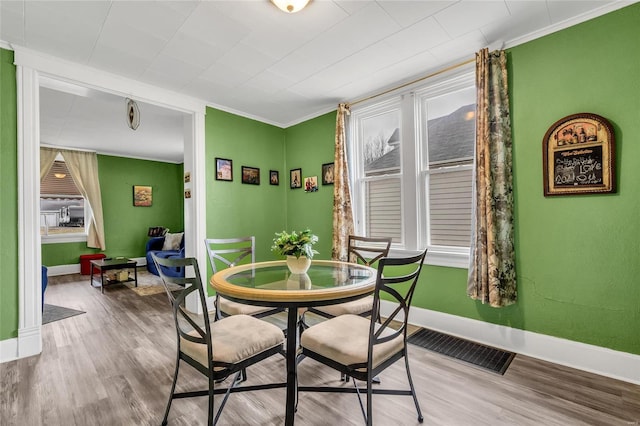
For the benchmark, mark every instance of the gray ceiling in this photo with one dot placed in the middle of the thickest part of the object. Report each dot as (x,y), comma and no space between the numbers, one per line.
(250,58)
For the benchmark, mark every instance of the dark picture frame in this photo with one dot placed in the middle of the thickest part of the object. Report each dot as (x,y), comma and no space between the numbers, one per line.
(579,156)
(142,196)
(274,177)
(224,169)
(295,178)
(250,175)
(328,173)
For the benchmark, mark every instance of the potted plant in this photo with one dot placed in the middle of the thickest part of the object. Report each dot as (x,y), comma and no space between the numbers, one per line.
(298,247)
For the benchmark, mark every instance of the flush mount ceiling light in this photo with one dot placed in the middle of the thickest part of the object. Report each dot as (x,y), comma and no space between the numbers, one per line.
(290,6)
(60,175)
(133,114)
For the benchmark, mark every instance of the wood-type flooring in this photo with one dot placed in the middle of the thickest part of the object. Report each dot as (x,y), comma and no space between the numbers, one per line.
(113,366)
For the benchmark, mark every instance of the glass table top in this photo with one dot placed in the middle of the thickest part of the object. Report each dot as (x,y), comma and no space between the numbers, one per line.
(325,280)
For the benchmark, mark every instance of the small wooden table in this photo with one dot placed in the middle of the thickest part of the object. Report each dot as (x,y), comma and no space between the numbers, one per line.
(111,264)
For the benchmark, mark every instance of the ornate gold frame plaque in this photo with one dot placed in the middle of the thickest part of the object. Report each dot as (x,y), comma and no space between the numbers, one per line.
(579,156)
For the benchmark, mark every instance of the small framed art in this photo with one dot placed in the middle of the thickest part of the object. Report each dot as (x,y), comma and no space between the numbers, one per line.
(327,174)
(224,169)
(142,196)
(311,184)
(250,175)
(295,178)
(274,177)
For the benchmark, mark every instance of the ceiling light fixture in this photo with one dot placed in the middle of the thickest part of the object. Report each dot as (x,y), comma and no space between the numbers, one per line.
(60,175)
(290,6)
(133,114)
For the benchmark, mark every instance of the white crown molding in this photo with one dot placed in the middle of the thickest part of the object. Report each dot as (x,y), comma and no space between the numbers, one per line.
(106,82)
(594,359)
(244,114)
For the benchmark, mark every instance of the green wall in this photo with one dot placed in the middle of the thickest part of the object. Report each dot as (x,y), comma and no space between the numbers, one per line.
(235,209)
(309,145)
(125,226)
(8,198)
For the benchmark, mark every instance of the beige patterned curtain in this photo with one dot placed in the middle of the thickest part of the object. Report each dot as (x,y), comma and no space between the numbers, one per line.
(83,167)
(342,212)
(47,158)
(492,275)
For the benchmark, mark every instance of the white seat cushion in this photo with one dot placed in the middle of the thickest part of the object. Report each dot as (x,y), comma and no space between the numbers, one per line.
(355,307)
(235,339)
(344,339)
(234,308)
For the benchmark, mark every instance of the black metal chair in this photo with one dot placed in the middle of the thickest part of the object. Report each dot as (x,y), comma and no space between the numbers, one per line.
(365,250)
(216,349)
(228,252)
(361,347)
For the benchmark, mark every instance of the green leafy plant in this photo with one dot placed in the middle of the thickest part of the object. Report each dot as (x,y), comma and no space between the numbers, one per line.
(295,244)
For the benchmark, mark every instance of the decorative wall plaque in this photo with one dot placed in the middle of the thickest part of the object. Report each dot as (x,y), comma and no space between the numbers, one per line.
(579,156)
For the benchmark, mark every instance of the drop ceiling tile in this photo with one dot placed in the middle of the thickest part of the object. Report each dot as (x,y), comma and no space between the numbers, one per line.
(11,22)
(208,24)
(166,71)
(248,58)
(119,62)
(356,32)
(428,31)
(467,15)
(225,76)
(461,48)
(351,7)
(562,10)
(130,40)
(526,17)
(153,18)
(268,82)
(407,13)
(194,51)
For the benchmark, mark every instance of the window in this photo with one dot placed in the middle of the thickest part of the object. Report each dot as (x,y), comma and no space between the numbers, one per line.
(412,163)
(63,210)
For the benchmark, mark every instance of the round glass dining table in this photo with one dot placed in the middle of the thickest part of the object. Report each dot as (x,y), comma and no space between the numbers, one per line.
(271,284)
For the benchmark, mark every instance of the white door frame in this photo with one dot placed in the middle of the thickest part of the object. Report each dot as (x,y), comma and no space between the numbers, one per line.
(29,66)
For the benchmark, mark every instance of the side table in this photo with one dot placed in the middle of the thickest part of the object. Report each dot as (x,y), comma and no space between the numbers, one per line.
(108,264)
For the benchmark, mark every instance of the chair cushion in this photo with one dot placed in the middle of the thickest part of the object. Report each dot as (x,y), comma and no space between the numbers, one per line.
(355,307)
(345,340)
(235,339)
(234,308)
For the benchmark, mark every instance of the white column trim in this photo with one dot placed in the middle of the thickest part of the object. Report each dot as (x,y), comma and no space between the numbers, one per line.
(29,257)
(594,359)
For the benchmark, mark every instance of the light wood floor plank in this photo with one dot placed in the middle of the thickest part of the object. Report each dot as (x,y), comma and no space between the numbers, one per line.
(113,366)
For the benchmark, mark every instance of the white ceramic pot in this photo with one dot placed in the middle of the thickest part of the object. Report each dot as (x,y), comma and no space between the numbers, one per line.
(298,265)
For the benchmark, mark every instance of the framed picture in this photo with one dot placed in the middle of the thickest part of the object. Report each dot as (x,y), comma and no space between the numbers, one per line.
(224,169)
(274,177)
(295,178)
(142,196)
(187,177)
(327,174)
(579,156)
(250,175)
(311,184)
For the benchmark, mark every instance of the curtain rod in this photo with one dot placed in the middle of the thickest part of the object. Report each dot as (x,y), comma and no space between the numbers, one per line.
(433,74)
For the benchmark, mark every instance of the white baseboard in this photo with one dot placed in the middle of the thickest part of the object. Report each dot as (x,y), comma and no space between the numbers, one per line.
(28,343)
(8,350)
(595,359)
(74,268)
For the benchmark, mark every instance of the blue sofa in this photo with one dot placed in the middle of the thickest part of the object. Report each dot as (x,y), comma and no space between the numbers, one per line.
(154,245)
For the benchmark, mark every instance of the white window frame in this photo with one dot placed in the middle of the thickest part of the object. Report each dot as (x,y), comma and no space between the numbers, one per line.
(414,175)
(75,237)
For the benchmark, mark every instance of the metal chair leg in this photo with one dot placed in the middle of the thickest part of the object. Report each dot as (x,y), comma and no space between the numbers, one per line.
(413,391)
(173,388)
